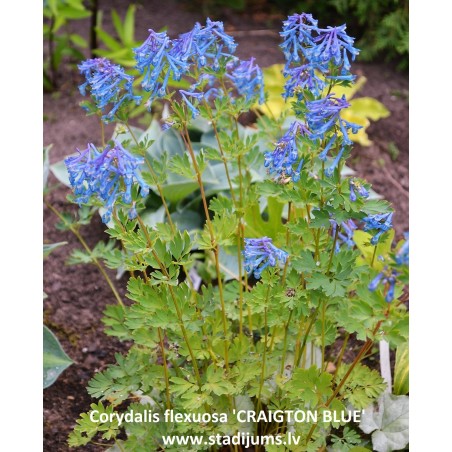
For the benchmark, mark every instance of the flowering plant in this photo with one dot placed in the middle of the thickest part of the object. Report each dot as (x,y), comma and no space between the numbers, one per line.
(294,258)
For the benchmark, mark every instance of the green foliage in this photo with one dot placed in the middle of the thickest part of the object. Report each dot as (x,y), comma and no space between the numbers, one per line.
(61,41)
(55,360)
(205,333)
(362,387)
(401,370)
(119,50)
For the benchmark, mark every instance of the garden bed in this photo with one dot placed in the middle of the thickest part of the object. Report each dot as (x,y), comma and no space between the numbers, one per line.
(76,294)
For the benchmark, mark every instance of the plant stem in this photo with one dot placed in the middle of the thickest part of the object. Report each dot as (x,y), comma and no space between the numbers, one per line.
(367,345)
(155,180)
(264,356)
(336,235)
(215,246)
(373,257)
(341,354)
(175,302)
(90,252)
(93,31)
(286,331)
(165,369)
(305,339)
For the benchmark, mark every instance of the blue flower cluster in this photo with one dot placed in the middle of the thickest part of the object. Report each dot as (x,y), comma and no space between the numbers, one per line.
(260,254)
(107,174)
(315,57)
(160,58)
(323,114)
(381,222)
(355,184)
(325,51)
(402,256)
(108,83)
(248,79)
(388,278)
(285,156)
(346,237)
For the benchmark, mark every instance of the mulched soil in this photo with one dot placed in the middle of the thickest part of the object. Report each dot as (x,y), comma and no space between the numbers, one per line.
(77,295)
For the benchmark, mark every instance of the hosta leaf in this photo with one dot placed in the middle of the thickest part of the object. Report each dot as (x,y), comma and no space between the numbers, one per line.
(369,108)
(389,423)
(55,359)
(46,164)
(59,170)
(362,240)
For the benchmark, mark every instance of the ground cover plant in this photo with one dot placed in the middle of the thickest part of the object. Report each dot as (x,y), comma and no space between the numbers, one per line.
(291,252)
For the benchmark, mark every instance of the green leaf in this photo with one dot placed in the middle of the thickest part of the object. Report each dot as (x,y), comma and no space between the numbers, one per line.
(118,25)
(321,219)
(55,359)
(362,387)
(79,40)
(389,423)
(401,370)
(111,43)
(49,247)
(129,25)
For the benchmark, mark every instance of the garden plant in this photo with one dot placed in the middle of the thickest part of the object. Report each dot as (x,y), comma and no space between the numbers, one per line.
(253,256)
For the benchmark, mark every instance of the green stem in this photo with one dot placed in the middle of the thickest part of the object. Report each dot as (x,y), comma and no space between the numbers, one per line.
(305,339)
(155,180)
(286,331)
(323,331)
(186,138)
(90,252)
(264,356)
(165,369)
(373,256)
(175,302)
(341,354)
(336,235)
(367,345)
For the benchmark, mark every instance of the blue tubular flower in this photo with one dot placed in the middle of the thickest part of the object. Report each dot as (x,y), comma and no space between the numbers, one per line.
(323,114)
(355,184)
(109,175)
(388,278)
(330,171)
(375,282)
(297,35)
(302,77)
(260,254)
(192,108)
(217,28)
(282,160)
(344,238)
(108,83)
(201,43)
(403,254)
(380,222)
(155,61)
(324,153)
(332,44)
(248,79)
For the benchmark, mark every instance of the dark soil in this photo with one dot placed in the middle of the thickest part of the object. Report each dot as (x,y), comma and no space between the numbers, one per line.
(77,295)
